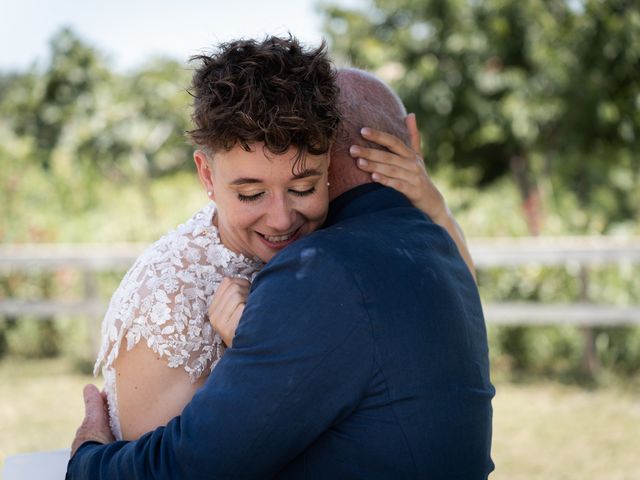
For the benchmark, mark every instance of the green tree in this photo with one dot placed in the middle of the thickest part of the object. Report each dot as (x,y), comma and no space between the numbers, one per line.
(598,136)
(87,123)
(538,89)
(53,99)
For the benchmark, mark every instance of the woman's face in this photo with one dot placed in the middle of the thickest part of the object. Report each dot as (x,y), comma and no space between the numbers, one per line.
(262,206)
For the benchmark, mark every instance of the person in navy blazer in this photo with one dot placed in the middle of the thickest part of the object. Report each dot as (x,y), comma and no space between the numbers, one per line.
(361,353)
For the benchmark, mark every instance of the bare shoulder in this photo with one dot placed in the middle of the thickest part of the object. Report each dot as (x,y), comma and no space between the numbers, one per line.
(150,393)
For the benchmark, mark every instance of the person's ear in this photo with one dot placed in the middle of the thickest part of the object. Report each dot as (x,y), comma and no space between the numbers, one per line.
(414,133)
(205,172)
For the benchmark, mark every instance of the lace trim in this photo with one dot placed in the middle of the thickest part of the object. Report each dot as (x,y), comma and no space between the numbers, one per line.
(109,374)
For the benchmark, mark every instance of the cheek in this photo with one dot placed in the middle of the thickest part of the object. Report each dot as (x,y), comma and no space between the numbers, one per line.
(244,217)
(235,215)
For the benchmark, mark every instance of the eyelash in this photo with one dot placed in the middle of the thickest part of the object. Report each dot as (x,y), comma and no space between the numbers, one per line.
(304,193)
(249,198)
(253,198)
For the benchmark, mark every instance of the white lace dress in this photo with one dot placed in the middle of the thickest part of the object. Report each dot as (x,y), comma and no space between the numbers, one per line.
(163,300)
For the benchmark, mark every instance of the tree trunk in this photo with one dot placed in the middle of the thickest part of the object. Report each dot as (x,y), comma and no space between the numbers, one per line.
(531,201)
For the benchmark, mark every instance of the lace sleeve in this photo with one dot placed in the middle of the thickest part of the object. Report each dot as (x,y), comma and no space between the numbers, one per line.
(165,296)
(163,299)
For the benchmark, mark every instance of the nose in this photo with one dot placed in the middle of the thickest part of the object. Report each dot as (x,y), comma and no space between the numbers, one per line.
(280,215)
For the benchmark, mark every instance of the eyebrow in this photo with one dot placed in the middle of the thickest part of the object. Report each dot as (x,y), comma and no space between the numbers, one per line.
(309,172)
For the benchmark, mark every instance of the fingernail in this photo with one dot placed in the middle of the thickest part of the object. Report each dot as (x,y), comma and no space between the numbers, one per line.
(353,150)
(362,162)
(375,176)
(365,131)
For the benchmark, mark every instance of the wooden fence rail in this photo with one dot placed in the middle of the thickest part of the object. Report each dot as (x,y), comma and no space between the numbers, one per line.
(577,253)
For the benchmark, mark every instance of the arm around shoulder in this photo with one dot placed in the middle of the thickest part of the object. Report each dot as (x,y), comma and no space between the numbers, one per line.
(300,362)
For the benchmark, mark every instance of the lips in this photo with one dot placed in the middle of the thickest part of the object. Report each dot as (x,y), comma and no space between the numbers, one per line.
(280,241)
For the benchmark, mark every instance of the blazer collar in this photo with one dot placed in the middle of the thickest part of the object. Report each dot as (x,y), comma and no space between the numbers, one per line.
(364,199)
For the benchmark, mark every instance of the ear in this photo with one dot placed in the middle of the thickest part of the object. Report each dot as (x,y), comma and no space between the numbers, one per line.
(205,172)
(414,133)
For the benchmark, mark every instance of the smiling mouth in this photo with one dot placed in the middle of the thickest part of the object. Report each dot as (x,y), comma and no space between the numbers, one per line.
(280,241)
(279,238)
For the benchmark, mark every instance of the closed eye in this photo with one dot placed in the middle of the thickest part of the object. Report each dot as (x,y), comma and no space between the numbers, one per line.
(303,193)
(249,198)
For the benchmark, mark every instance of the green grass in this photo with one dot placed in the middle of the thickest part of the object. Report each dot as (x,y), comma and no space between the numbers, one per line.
(542,430)
(557,432)
(40,405)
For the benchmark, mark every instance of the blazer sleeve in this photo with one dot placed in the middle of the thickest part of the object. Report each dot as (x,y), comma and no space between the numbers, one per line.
(301,362)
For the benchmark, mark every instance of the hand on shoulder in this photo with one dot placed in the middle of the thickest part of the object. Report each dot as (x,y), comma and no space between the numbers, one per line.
(402,167)
(227,307)
(95,426)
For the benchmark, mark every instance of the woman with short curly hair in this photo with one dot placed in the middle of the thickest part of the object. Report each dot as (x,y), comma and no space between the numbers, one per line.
(265,116)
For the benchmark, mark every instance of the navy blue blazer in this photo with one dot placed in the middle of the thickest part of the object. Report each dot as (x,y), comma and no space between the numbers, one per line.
(361,353)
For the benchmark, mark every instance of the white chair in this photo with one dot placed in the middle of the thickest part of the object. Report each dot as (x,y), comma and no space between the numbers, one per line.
(50,465)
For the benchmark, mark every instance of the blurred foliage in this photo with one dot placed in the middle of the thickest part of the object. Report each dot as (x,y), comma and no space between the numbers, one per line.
(544,91)
(533,104)
(69,128)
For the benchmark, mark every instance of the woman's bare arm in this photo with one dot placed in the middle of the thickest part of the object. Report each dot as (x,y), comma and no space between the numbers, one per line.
(149,392)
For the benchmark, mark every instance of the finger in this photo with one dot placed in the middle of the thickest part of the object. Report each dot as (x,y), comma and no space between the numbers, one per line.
(95,425)
(241,281)
(234,295)
(96,413)
(393,143)
(398,185)
(89,392)
(408,190)
(389,171)
(93,402)
(371,160)
(220,290)
(234,298)
(231,284)
(220,295)
(227,304)
(228,282)
(414,134)
(234,319)
(227,325)
(232,325)
(218,309)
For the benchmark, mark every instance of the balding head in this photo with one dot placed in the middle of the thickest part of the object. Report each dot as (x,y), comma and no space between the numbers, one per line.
(364,101)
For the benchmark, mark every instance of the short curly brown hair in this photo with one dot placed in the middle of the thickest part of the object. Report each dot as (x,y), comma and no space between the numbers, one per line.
(274,91)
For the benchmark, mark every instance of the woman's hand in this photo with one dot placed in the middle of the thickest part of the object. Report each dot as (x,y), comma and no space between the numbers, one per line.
(227,307)
(401,168)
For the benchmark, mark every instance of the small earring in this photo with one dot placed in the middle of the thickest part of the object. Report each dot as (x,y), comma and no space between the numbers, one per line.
(209,193)
(328,184)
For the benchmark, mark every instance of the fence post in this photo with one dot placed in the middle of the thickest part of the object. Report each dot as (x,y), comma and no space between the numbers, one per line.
(91,296)
(589,355)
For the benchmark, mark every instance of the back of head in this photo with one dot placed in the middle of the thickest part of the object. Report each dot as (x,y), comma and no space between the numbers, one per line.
(364,101)
(275,91)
